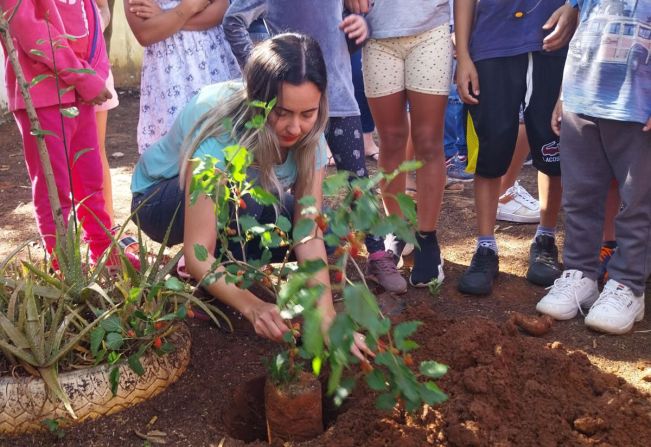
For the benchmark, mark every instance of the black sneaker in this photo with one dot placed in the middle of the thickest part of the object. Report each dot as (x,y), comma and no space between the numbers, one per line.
(543,261)
(428,263)
(479,276)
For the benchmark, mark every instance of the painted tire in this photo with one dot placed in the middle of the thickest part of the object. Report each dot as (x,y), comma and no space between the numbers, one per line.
(24,401)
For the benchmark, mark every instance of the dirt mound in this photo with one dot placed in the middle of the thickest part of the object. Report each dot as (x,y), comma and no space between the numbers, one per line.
(504,390)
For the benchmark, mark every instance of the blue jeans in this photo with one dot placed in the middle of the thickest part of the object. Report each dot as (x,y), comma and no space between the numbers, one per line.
(164,201)
(454,138)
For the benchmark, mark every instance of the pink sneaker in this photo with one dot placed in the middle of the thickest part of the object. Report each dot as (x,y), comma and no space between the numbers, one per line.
(382,269)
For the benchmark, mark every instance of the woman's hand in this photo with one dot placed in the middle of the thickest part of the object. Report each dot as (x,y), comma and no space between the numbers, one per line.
(359,348)
(355,28)
(647,127)
(266,320)
(145,9)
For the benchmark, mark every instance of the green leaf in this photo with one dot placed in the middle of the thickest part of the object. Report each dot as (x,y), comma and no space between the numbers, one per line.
(114,341)
(311,266)
(111,324)
(410,165)
(96,337)
(114,379)
(283,223)
(376,380)
(333,184)
(316,365)
(247,222)
(200,252)
(135,365)
(306,201)
(173,283)
(262,196)
(40,133)
(80,70)
(37,53)
(80,153)
(407,206)
(182,312)
(432,394)
(69,36)
(363,308)
(402,331)
(70,112)
(303,229)
(239,159)
(38,78)
(433,369)
(385,402)
(311,336)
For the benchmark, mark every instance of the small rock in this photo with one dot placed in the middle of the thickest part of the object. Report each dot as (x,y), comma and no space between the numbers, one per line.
(117,154)
(556,345)
(589,425)
(646,375)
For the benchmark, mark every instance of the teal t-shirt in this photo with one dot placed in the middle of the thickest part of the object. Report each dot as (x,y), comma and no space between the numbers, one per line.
(162,161)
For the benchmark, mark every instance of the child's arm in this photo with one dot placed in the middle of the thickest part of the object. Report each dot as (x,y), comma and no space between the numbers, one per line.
(208,18)
(155,28)
(357,6)
(356,30)
(31,33)
(467,78)
(563,21)
(104,11)
(237,20)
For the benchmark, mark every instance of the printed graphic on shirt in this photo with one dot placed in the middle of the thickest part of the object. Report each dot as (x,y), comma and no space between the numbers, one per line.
(608,69)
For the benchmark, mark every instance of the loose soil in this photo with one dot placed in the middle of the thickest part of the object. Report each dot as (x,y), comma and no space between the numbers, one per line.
(569,387)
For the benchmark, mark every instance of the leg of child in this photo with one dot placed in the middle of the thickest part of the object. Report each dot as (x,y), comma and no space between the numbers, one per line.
(102,118)
(519,156)
(50,120)
(87,184)
(368,125)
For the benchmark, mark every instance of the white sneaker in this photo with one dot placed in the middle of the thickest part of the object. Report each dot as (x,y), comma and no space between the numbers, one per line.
(520,207)
(616,309)
(567,295)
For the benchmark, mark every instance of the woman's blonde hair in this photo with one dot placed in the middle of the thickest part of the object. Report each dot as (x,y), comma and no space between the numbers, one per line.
(292,58)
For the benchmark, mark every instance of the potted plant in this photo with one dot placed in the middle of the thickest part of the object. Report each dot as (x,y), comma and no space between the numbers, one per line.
(293,395)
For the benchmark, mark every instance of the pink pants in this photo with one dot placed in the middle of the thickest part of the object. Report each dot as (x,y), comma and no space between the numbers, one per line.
(87,181)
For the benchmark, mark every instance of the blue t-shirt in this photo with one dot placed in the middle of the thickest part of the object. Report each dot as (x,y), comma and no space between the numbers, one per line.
(509,28)
(608,69)
(162,160)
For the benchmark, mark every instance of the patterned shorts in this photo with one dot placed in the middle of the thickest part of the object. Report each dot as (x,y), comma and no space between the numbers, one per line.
(421,63)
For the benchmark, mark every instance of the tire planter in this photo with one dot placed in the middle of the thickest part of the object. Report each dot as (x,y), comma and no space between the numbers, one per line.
(24,401)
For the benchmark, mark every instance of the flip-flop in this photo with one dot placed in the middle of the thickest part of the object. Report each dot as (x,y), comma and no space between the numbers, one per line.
(181,271)
(375,156)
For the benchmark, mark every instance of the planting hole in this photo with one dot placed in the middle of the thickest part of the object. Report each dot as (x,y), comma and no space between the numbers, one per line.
(245,419)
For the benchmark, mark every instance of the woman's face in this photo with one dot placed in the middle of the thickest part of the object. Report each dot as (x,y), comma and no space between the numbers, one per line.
(295,113)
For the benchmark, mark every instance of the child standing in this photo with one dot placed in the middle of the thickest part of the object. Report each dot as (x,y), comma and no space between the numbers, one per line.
(31,25)
(515,50)
(409,59)
(605,132)
(322,20)
(184,51)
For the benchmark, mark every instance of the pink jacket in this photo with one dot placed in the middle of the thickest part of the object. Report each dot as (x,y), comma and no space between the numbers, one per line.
(29,30)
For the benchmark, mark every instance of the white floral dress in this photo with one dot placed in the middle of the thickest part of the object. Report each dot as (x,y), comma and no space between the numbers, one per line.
(174,70)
